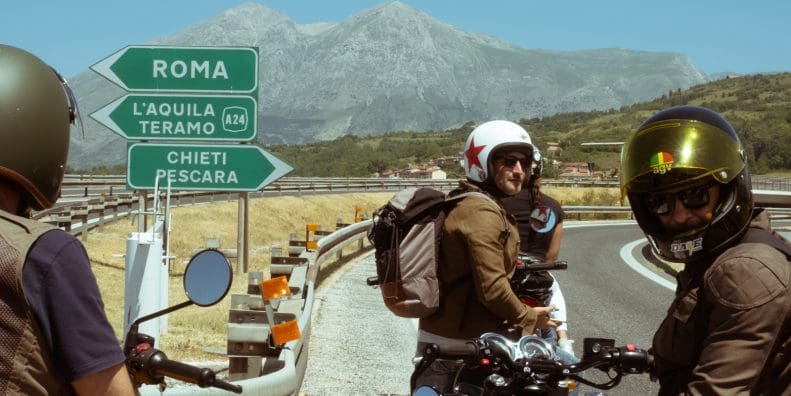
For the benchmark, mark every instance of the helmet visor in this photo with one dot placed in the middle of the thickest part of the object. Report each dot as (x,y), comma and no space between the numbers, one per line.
(671,152)
(75,119)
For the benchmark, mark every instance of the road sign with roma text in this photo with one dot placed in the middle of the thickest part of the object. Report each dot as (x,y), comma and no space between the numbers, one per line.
(183,69)
(217,167)
(181,117)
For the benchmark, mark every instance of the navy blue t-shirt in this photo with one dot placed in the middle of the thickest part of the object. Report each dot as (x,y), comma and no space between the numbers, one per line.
(62,291)
(536,223)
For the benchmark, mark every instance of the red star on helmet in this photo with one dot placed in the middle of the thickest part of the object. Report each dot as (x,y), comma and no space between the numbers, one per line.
(472,155)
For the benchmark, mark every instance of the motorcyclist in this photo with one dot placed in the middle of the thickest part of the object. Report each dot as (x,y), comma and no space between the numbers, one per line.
(55,337)
(479,250)
(540,220)
(728,330)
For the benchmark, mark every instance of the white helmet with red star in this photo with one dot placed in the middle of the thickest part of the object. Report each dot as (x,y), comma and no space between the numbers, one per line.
(488,138)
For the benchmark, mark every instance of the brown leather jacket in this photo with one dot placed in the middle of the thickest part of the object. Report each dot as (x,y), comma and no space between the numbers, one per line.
(478,256)
(728,331)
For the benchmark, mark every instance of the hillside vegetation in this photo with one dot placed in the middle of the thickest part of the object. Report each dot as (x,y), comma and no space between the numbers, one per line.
(758,106)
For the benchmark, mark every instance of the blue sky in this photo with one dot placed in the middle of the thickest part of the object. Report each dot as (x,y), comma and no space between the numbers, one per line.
(718,36)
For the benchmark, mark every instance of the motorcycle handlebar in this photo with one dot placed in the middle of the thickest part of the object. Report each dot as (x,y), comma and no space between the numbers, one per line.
(203,377)
(558,265)
(533,263)
(626,359)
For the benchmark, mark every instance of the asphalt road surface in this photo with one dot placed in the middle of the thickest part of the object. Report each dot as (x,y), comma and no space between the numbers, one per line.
(359,348)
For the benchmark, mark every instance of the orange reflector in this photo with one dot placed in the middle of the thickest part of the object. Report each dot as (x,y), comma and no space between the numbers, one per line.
(312,227)
(572,385)
(311,245)
(275,288)
(285,332)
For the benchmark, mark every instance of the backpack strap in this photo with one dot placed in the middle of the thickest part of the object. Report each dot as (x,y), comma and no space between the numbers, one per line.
(760,235)
(506,229)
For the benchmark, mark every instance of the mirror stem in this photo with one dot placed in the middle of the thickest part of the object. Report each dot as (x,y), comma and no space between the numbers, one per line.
(160,313)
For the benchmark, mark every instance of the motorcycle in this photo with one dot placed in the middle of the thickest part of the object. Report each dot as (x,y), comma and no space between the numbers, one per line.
(536,287)
(532,282)
(207,279)
(493,364)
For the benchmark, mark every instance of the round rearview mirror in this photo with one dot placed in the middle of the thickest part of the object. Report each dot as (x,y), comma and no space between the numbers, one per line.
(207,278)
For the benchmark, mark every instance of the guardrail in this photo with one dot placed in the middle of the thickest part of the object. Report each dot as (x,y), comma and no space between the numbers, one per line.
(118,182)
(571,212)
(74,217)
(251,362)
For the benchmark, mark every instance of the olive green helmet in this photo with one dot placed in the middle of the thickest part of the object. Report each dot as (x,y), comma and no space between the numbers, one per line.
(37,111)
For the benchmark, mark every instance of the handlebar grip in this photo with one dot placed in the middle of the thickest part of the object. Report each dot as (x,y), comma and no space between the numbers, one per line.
(466,351)
(225,385)
(558,265)
(372,281)
(635,361)
(160,364)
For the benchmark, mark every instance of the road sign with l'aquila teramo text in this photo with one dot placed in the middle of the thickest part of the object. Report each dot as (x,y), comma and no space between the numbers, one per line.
(181,117)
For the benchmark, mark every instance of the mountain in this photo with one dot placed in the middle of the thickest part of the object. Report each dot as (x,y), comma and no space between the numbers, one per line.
(391,68)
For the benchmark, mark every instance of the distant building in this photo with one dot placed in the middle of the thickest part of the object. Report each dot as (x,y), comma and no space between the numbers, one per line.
(426,172)
(553,149)
(453,160)
(574,169)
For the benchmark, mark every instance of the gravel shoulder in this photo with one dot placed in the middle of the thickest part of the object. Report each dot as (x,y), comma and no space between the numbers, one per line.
(357,346)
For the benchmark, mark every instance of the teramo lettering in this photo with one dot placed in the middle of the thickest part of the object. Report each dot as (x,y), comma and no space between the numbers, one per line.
(176,128)
(216,176)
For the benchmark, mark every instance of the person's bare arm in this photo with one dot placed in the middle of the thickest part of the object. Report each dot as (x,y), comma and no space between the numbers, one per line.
(554,244)
(113,381)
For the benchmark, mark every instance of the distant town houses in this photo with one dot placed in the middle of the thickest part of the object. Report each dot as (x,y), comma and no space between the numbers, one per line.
(430,170)
(433,168)
(553,149)
(577,170)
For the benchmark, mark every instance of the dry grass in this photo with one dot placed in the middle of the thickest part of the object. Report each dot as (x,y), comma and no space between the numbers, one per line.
(272,220)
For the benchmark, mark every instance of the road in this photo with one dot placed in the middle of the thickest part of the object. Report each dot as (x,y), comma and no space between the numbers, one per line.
(359,348)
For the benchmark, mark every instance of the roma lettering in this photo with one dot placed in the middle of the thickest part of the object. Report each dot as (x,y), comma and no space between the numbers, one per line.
(194,69)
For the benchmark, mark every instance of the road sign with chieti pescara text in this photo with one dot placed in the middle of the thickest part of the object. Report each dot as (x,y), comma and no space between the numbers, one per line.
(218,167)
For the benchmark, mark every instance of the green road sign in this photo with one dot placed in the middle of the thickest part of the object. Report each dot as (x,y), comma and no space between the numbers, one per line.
(181,117)
(228,167)
(185,69)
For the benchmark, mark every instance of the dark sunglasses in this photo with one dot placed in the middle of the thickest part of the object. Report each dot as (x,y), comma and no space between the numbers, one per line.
(693,198)
(510,161)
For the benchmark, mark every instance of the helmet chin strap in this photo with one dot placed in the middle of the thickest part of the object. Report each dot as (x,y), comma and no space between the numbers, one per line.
(13,202)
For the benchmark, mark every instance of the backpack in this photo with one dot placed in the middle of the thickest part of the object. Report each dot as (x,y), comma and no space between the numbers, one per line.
(406,235)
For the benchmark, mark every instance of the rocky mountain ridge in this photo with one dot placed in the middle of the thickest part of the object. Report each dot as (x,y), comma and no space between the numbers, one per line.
(393,67)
